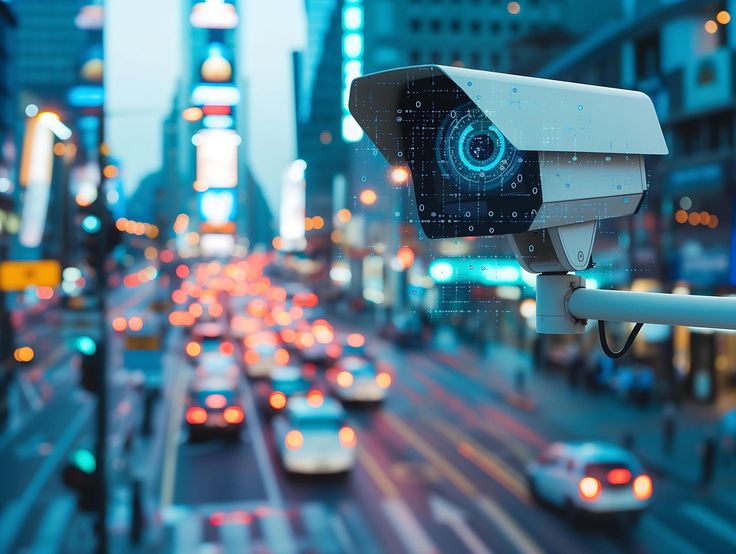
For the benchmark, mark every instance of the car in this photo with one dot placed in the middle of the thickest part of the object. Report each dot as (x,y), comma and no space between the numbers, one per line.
(217,364)
(208,337)
(263,353)
(317,345)
(315,438)
(214,407)
(404,330)
(590,478)
(357,379)
(286,383)
(242,326)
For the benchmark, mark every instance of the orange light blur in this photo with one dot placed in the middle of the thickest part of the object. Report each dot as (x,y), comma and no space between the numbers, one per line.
(45,293)
(135,323)
(318,222)
(193,349)
(281,356)
(215,401)
(344,215)
(589,488)
(643,488)
(277,400)
(233,415)
(723,17)
(345,379)
(258,308)
(405,257)
(305,340)
(334,350)
(681,216)
(288,335)
(196,415)
(192,114)
(119,324)
(347,436)
(399,175)
(368,197)
(215,310)
(195,309)
(182,271)
(294,440)
(24,354)
(179,296)
(513,8)
(315,399)
(110,171)
(383,380)
(356,340)
(251,357)
(227,348)
(711,27)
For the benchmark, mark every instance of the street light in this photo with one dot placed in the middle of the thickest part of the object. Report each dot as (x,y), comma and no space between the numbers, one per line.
(368,197)
(399,175)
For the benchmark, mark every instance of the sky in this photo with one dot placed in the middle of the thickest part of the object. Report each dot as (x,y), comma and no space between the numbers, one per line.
(143,61)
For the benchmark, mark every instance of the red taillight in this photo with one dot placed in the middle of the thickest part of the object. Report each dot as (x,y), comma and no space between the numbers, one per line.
(277,400)
(251,357)
(193,349)
(281,356)
(294,440)
(196,415)
(227,348)
(233,415)
(643,487)
(589,488)
(347,437)
(618,476)
(215,401)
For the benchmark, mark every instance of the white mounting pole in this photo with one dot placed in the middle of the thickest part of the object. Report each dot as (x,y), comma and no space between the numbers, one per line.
(564,305)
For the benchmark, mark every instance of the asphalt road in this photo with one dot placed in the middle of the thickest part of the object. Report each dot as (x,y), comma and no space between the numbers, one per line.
(440,470)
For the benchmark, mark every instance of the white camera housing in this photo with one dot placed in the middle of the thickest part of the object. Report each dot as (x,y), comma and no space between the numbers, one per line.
(494,154)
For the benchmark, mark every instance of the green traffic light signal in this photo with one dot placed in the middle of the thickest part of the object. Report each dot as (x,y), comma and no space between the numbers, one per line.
(91,224)
(84,460)
(86,345)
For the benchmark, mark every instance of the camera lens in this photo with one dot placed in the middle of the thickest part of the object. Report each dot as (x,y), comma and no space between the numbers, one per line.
(473,152)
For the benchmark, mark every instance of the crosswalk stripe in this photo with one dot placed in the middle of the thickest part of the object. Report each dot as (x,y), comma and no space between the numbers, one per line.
(347,546)
(410,532)
(316,520)
(54,525)
(711,521)
(188,534)
(278,533)
(356,523)
(235,538)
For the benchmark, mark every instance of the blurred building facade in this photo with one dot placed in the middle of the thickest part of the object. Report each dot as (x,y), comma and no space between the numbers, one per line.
(680,53)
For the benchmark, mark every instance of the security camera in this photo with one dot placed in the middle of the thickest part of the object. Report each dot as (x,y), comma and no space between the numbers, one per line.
(493,154)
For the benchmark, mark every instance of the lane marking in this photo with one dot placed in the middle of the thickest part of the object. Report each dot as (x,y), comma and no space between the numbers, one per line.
(511,530)
(446,513)
(188,535)
(523,542)
(173,429)
(317,521)
(373,468)
(343,536)
(16,511)
(677,544)
(235,537)
(712,521)
(484,459)
(410,532)
(277,530)
(54,525)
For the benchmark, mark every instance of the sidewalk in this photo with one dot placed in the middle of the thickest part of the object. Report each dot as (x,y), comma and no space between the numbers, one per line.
(602,415)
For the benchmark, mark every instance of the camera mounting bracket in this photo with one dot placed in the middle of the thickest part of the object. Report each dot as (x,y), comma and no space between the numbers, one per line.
(557,249)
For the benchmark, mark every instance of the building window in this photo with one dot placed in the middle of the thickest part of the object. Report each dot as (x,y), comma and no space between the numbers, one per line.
(475,59)
(415,57)
(436,25)
(495,27)
(647,56)
(475,27)
(415,25)
(455,25)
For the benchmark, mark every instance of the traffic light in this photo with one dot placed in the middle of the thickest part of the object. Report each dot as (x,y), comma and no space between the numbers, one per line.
(92,361)
(97,225)
(79,475)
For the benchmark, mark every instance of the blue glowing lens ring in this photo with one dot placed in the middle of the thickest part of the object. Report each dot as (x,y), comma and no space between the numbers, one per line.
(473,153)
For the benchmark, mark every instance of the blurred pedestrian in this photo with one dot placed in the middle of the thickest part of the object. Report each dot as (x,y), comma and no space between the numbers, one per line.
(727,435)
(669,424)
(137,521)
(708,455)
(520,380)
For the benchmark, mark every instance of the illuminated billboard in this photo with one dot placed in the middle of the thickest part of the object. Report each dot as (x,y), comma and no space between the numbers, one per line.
(292,212)
(35,175)
(217,209)
(213,14)
(217,157)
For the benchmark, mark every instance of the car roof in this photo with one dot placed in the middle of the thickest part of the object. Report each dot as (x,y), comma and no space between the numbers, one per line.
(209,328)
(214,383)
(353,363)
(596,451)
(299,407)
(286,373)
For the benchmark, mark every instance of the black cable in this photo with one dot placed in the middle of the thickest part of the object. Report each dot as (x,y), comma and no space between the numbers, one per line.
(629,341)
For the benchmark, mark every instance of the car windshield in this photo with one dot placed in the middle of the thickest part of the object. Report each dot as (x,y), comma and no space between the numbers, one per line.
(602,471)
(291,386)
(210,345)
(316,423)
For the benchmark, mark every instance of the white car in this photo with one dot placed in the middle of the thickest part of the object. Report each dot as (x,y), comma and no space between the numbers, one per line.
(356,379)
(314,438)
(593,478)
(216,364)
